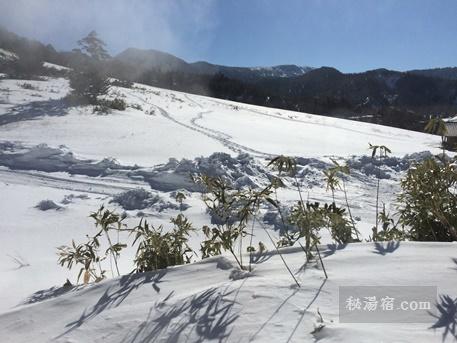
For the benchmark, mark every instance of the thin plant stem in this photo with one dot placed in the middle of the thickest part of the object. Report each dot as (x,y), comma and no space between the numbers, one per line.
(349,210)
(320,259)
(280,211)
(112,253)
(241,250)
(302,205)
(250,242)
(377,195)
(299,191)
(236,258)
(283,222)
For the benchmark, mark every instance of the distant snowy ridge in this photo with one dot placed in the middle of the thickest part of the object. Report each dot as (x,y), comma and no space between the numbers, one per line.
(6,55)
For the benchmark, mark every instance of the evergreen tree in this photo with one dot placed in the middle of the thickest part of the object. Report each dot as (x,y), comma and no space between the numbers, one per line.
(94,46)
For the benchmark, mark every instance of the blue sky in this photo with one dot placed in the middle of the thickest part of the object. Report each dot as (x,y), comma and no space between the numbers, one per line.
(350,35)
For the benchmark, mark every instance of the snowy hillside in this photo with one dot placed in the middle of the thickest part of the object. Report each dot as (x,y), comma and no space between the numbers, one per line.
(200,302)
(80,160)
(6,55)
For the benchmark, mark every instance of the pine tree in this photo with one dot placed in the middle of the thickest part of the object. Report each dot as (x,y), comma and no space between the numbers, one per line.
(94,46)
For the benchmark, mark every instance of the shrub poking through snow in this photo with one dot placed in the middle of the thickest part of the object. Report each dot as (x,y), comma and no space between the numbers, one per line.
(158,249)
(45,205)
(105,106)
(310,218)
(341,229)
(101,109)
(28,86)
(224,204)
(87,86)
(391,230)
(136,107)
(287,166)
(221,238)
(428,201)
(106,221)
(121,83)
(85,254)
(180,197)
(88,254)
(234,209)
(231,210)
(116,104)
(332,179)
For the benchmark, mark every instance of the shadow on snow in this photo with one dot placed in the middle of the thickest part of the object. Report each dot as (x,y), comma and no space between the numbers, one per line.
(110,299)
(35,110)
(208,314)
(386,248)
(446,317)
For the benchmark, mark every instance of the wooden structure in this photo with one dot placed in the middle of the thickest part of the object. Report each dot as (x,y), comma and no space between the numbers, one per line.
(450,137)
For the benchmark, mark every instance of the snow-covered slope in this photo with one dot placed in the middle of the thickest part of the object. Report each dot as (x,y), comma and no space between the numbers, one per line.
(6,55)
(55,66)
(174,124)
(202,302)
(80,160)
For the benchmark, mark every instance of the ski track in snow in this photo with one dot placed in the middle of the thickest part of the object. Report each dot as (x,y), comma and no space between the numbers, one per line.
(93,185)
(193,101)
(221,137)
(199,116)
(235,147)
(292,118)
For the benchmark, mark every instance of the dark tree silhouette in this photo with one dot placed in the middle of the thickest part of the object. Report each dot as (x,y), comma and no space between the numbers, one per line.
(94,46)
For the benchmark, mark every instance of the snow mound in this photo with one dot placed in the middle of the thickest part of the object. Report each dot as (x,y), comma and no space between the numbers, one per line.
(238,274)
(46,205)
(273,218)
(68,199)
(140,199)
(55,66)
(241,171)
(136,199)
(48,159)
(385,168)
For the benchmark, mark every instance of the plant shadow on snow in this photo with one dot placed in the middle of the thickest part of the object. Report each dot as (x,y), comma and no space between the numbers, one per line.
(19,261)
(446,319)
(333,248)
(49,293)
(283,303)
(35,110)
(455,262)
(261,257)
(209,314)
(306,309)
(386,248)
(113,298)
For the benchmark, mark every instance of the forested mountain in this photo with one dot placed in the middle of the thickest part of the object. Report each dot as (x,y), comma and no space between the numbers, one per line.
(401,99)
(144,60)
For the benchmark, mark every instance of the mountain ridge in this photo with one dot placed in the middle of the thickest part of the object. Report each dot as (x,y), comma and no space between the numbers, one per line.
(394,98)
(146,59)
